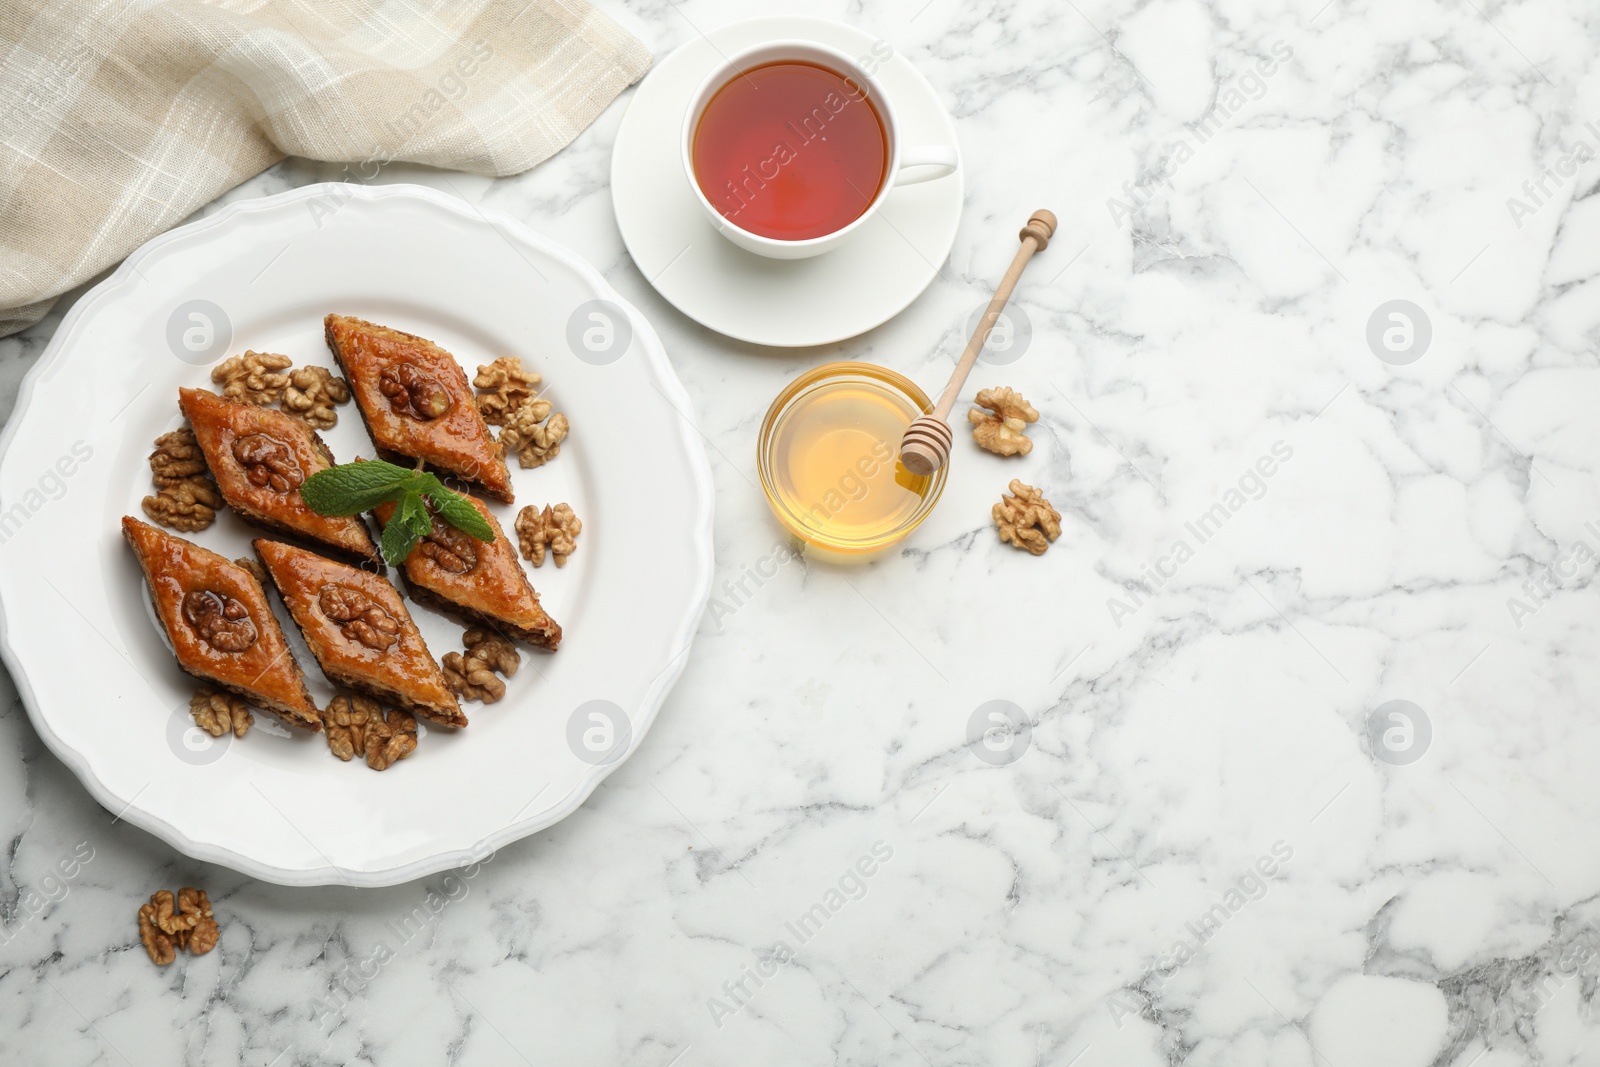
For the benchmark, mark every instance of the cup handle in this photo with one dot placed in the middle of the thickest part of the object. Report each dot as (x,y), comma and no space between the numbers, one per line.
(935,161)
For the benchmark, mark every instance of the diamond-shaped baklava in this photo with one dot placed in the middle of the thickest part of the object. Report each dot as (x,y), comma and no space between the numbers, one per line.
(220,625)
(260,458)
(417,402)
(360,632)
(481,582)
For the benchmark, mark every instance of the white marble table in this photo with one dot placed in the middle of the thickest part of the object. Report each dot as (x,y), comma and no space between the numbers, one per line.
(1214,846)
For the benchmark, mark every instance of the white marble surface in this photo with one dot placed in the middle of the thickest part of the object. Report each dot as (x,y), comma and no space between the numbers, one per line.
(1427,538)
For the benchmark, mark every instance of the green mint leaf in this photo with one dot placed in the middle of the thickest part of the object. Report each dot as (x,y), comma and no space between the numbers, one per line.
(458,511)
(352,488)
(414,512)
(408,525)
(427,483)
(454,508)
(397,543)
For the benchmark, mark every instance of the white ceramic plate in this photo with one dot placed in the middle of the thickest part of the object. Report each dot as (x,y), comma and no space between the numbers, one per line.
(100,685)
(842,293)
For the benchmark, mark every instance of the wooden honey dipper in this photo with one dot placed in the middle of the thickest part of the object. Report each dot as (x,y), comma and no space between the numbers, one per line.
(926,444)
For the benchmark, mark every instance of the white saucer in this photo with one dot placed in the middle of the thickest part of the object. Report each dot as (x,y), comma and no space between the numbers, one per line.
(839,294)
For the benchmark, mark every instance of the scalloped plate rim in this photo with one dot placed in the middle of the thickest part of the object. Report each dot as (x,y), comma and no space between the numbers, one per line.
(655,696)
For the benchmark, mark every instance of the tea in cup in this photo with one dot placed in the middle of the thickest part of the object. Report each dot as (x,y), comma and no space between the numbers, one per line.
(791,146)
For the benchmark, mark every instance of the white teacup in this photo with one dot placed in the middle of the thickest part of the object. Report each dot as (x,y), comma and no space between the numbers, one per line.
(931,161)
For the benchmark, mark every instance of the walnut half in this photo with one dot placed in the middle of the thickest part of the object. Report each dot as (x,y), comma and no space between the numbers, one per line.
(312,394)
(186,499)
(1026,519)
(256,570)
(159,945)
(472,676)
(268,463)
(168,919)
(502,386)
(177,458)
(187,507)
(414,392)
(253,378)
(360,617)
(1003,428)
(169,925)
(557,527)
(533,433)
(195,906)
(357,724)
(392,740)
(221,621)
(450,549)
(218,713)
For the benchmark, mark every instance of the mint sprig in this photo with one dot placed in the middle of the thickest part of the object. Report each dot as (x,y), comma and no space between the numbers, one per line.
(409,524)
(417,496)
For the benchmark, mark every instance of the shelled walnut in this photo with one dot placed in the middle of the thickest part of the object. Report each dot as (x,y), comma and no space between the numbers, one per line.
(177,458)
(218,713)
(312,393)
(502,386)
(472,675)
(1003,427)
(267,462)
(556,527)
(201,936)
(160,946)
(450,549)
(533,433)
(186,498)
(169,925)
(220,621)
(414,392)
(1026,519)
(391,740)
(360,617)
(186,507)
(168,919)
(253,378)
(256,570)
(345,722)
(357,724)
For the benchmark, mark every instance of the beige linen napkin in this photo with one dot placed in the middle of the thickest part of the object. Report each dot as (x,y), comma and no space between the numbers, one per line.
(119,118)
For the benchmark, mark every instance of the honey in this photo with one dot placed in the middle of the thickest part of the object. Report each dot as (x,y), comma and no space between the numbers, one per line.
(830,458)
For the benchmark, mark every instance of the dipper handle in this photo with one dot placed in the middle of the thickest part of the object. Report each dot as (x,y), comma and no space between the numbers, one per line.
(926,444)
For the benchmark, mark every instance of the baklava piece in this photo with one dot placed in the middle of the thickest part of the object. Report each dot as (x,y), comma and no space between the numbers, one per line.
(480,582)
(260,458)
(220,625)
(360,632)
(417,403)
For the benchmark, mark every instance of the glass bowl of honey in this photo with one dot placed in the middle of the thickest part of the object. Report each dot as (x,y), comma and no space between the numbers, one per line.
(829,457)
